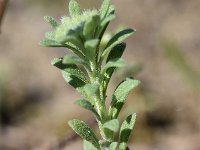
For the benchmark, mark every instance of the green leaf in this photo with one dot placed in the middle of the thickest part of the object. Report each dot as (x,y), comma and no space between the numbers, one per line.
(116,39)
(72,59)
(50,43)
(120,96)
(90,26)
(115,53)
(51,21)
(87,105)
(84,131)
(72,75)
(91,89)
(111,10)
(74,8)
(104,8)
(104,23)
(88,146)
(62,36)
(113,146)
(50,35)
(113,63)
(90,49)
(125,131)
(107,20)
(112,125)
(72,69)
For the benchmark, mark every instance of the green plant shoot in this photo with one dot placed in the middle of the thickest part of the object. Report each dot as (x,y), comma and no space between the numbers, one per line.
(89,69)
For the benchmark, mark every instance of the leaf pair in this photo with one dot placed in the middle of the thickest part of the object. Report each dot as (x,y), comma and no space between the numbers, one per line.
(90,139)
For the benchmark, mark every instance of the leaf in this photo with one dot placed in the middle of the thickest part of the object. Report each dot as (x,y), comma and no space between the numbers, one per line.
(87,105)
(115,53)
(74,8)
(111,10)
(120,96)
(84,131)
(107,20)
(72,75)
(90,26)
(113,63)
(90,49)
(88,146)
(113,146)
(112,125)
(91,89)
(62,36)
(50,43)
(51,21)
(104,22)
(50,35)
(125,131)
(75,82)
(72,69)
(72,59)
(116,39)
(104,8)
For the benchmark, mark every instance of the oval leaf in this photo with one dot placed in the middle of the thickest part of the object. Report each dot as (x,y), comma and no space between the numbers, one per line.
(116,39)
(87,105)
(84,131)
(120,96)
(115,53)
(113,63)
(125,131)
(91,89)
(72,59)
(72,75)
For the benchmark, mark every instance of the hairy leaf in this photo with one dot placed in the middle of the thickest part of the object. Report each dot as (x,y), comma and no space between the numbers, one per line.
(125,131)
(74,8)
(87,105)
(107,20)
(104,8)
(114,63)
(72,69)
(91,89)
(112,125)
(90,49)
(88,146)
(90,26)
(120,96)
(50,43)
(84,131)
(72,59)
(116,39)
(51,21)
(72,75)
(115,53)
(111,10)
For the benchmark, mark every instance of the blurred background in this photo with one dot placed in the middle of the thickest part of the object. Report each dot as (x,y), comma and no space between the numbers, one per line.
(164,54)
